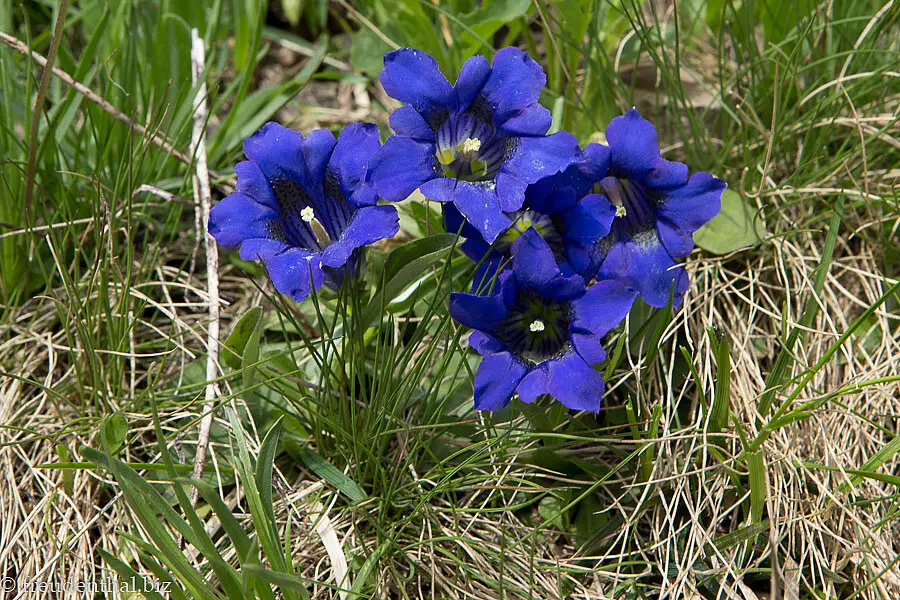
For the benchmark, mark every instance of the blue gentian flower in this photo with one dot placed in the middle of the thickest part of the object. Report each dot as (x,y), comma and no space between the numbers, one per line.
(302,205)
(562,208)
(658,208)
(478,143)
(540,332)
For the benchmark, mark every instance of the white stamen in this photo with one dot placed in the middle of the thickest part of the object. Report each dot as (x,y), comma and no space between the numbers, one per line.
(536,325)
(470,145)
(620,211)
(307,214)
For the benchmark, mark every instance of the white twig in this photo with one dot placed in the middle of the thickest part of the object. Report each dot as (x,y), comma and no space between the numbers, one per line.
(202,199)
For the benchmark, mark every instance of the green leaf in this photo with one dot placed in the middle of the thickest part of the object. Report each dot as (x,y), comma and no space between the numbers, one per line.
(293,10)
(332,475)
(757,467)
(734,227)
(246,329)
(365,572)
(367,50)
(551,510)
(406,265)
(718,416)
(242,349)
(264,468)
(127,574)
(113,429)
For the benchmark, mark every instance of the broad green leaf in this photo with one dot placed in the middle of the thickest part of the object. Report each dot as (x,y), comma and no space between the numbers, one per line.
(551,510)
(264,468)
(293,10)
(244,336)
(367,50)
(756,464)
(127,574)
(242,351)
(332,475)
(734,227)
(405,266)
(114,428)
(718,417)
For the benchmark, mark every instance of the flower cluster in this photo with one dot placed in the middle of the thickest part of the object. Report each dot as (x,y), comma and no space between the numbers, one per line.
(565,238)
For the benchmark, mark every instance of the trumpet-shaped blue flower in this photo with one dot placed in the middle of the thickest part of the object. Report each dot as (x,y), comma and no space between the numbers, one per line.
(658,208)
(562,208)
(478,143)
(302,205)
(540,332)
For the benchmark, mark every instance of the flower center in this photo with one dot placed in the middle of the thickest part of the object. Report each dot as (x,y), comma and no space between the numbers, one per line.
(298,223)
(635,204)
(308,215)
(536,329)
(522,220)
(468,148)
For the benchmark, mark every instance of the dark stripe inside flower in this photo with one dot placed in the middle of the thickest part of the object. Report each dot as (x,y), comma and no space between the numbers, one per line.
(540,331)
(302,205)
(478,143)
(657,207)
(561,208)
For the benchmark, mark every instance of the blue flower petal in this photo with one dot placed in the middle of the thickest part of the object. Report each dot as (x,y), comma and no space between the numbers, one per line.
(510,191)
(475,248)
(534,384)
(589,347)
(261,249)
(277,151)
(644,264)
(252,182)
(407,121)
(534,158)
(237,218)
(413,77)
(472,77)
(401,166)
(296,272)
(485,344)
(356,145)
(439,189)
(603,306)
(678,243)
(515,84)
(633,144)
(589,220)
(666,174)
(579,177)
(454,222)
(368,225)
(693,205)
(477,312)
(496,380)
(481,208)
(534,120)
(535,268)
(549,197)
(317,148)
(595,164)
(574,383)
